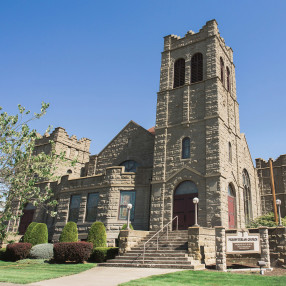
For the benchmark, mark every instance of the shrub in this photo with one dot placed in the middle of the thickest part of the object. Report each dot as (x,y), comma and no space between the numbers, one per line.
(72,251)
(125,226)
(39,234)
(97,234)
(17,251)
(27,235)
(69,233)
(3,254)
(42,251)
(265,220)
(101,254)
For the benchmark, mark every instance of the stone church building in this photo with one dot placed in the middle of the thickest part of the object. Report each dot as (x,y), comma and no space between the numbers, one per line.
(195,150)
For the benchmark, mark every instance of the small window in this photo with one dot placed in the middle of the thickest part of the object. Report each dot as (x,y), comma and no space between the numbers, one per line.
(229,152)
(186,144)
(227,79)
(126,197)
(91,207)
(130,165)
(221,70)
(197,68)
(74,207)
(69,171)
(179,72)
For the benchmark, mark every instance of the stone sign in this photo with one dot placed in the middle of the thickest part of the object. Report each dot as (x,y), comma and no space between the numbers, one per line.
(243,242)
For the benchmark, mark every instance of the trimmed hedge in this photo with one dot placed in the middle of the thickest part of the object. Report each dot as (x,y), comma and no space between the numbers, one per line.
(3,255)
(39,234)
(42,251)
(27,235)
(69,233)
(101,254)
(72,251)
(17,251)
(97,234)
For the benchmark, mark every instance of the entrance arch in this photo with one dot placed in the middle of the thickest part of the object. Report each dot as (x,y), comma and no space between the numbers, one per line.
(231,207)
(183,206)
(27,217)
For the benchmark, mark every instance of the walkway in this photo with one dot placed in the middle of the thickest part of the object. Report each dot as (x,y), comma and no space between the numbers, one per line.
(99,276)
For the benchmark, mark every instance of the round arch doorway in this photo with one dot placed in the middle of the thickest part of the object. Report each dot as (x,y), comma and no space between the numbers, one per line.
(183,206)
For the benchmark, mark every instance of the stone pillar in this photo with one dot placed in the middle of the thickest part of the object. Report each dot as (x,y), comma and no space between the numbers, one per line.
(264,244)
(193,243)
(220,248)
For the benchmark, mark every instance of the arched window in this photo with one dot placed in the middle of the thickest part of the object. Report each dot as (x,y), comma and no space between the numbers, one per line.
(231,207)
(130,165)
(179,73)
(229,152)
(197,68)
(227,79)
(221,70)
(186,145)
(186,187)
(247,197)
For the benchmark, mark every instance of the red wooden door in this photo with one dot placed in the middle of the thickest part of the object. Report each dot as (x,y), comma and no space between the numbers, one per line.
(184,208)
(231,212)
(26,219)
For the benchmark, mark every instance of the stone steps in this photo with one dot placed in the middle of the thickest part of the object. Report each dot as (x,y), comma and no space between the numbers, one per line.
(172,253)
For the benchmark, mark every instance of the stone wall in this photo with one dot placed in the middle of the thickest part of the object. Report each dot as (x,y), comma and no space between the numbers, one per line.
(277,245)
(201,245)
(279,172)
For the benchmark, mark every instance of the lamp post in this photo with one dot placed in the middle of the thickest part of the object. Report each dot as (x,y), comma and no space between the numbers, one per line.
(196,201)
(278,203)
(129,207)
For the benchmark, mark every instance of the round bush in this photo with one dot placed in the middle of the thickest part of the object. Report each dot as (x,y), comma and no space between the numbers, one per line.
(39,234)
(97,234)
(42,251)
(69,233)
(125,226)
(27,235)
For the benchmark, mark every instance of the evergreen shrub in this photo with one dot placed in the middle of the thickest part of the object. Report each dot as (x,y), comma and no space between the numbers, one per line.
(27,235)
(39,234)
(125,226)
(42,251)
(72,251)
(3,254)
(69,233)
(17,251)
(265,220)
(97,234)
(101,254)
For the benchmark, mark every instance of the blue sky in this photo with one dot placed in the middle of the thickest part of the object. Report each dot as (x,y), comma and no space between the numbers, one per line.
(98,62)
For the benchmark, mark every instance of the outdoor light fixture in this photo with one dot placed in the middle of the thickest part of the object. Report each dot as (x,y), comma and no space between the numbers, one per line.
(278,203)
(196,201)
(129,207)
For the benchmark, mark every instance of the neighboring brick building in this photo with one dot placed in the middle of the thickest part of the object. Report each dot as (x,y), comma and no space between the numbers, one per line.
(195,150)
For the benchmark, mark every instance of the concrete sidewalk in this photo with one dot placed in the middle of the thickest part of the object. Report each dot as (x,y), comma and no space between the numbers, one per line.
(107,276)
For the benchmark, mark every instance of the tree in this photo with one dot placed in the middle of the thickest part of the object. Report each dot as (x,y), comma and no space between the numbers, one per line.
(21,169)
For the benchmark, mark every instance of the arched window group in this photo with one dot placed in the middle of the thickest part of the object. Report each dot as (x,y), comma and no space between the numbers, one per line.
(196,70)
(222,75)
(186,146)
(247,197)
(231,207)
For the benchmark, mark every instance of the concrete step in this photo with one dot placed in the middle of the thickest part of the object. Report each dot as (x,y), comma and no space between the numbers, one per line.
(161,258)
(157,253)
(149,261)
(154,248)
(145,265)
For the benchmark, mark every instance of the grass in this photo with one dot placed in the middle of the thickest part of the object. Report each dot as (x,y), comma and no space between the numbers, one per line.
(207,278)
(24,273)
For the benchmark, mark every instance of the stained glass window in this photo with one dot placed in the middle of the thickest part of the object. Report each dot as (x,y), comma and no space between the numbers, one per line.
(74,207)
(126,197)
(186,145)
(247,196)
(91,207)
(186,187)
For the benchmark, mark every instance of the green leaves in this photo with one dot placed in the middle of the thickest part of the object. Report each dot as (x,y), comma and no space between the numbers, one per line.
(21,167)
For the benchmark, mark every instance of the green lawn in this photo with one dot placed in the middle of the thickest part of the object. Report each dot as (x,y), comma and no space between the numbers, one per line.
(208,278)
(14,272)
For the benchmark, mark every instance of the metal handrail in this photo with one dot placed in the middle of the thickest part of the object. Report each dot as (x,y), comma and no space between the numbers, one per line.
(157,233)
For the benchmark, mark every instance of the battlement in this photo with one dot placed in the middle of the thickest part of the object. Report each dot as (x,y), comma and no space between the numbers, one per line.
(261,163)
(60,135)
(209,29)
